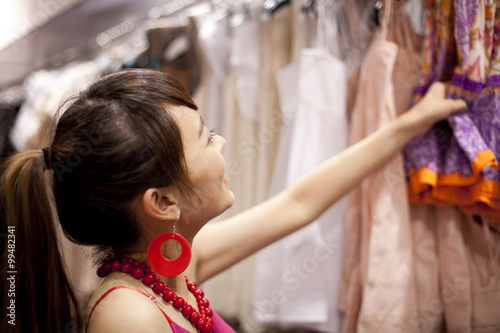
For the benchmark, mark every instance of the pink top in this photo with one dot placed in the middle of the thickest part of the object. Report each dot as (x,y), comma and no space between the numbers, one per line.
(220,326)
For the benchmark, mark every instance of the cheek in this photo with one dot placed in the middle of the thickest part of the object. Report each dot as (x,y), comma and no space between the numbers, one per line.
(210,189)
(222,166)
(208,177)
(208,186)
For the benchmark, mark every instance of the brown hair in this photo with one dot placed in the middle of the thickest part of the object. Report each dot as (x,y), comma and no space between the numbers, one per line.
(115,141)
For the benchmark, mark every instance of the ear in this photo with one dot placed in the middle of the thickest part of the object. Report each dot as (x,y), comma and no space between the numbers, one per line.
(160,204)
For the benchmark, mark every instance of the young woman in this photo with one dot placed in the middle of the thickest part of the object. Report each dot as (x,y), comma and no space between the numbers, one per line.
(131,160)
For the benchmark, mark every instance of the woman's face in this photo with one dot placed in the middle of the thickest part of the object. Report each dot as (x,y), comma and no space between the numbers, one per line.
(206,166)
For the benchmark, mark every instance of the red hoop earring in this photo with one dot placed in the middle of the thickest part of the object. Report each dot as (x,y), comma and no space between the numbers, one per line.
(164,266)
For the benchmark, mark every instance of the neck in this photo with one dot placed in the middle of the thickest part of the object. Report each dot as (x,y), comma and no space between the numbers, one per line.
(176,283)
(189,301)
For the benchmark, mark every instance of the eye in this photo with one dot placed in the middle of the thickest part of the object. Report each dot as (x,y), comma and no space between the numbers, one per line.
(211,136)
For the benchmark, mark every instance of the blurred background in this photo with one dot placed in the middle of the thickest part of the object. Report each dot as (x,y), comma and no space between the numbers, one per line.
(290,83)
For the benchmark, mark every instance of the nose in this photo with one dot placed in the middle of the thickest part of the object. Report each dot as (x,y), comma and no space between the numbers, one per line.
(220,142)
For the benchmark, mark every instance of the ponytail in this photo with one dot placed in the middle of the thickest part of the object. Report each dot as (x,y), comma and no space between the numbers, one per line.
(42,295)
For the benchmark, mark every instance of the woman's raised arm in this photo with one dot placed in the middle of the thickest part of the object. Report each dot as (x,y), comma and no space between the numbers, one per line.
(220,245)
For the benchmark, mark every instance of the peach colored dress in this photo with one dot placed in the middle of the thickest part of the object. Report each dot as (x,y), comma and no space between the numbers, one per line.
(378,286)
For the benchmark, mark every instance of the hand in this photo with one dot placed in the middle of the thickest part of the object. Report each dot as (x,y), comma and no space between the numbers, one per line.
(433,107)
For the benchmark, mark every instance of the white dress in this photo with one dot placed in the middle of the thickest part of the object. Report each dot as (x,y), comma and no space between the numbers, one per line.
(297,278)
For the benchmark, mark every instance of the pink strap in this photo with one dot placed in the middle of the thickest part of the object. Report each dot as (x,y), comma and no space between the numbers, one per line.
(353,17)
(151,297)
(400,30)
(386,18)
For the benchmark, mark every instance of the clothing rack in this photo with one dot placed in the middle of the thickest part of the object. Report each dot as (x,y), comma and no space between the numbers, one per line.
(39,20)
(104,40)
(172,8)
(98,42)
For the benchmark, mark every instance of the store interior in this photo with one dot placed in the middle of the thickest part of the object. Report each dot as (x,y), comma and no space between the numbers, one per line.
(288,84)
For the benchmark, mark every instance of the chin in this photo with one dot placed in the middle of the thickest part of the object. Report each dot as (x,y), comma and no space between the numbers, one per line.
(232,198)
(225,203)
(228,204)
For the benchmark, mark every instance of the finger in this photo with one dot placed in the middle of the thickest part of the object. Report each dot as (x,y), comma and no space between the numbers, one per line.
(458,105)
(439,89)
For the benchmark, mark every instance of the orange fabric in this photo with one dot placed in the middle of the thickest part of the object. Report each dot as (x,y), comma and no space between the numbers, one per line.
(424,176)
(474,193)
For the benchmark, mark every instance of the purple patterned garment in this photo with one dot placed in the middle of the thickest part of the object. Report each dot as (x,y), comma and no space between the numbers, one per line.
(461,46)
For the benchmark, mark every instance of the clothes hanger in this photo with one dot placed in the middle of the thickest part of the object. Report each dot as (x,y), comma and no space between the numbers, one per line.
(375,13)
(241,11)
(308,6)
(271,7)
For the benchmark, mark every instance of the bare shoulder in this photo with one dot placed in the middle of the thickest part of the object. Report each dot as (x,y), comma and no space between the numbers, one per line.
(126,310)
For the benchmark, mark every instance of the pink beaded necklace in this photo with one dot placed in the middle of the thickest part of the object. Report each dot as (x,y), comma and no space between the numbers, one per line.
(202,320)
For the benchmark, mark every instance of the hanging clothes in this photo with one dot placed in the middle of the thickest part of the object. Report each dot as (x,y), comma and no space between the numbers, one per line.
(276,53)
(245,117)
(215,44)
(246,62)
(173,49)
(457,272)
(32,111)
(378,285)
(456,163)
(46,90)
(482,251)
(312,96)
(428,317)
(11,100)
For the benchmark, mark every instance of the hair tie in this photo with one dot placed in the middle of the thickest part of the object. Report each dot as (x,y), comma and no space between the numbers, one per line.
(46,158)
